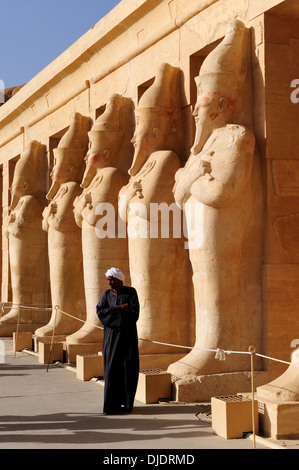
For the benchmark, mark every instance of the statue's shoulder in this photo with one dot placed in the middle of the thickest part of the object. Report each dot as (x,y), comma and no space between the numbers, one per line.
(112,174)
(234,137)
(235,132)
(164,155)
(165,160)
(31,201)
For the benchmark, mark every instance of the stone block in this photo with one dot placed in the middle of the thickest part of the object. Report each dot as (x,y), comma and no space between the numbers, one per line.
(22,341)
(72,350)
(153,384)
(279,420)
(232,416)
(203,387)
(47,339)
(50,352)
(89,366)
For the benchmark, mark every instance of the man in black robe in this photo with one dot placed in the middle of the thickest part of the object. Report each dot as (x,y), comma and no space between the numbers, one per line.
(118,310)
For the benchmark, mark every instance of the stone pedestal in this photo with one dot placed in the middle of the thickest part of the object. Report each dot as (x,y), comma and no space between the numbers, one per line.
(279,403)
(232,416)
(49,353)
(279,420)
(204,387)
(46,339)
(22,341)
(89,366)
(153,385)
(71,351)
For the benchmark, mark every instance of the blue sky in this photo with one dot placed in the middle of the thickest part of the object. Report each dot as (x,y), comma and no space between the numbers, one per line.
(34,32)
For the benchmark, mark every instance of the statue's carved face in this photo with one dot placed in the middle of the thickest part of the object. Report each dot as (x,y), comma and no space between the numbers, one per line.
(103,147)
(19,186)
(151,130)
(62,169)
(146,134)
(21,182)
(209,114)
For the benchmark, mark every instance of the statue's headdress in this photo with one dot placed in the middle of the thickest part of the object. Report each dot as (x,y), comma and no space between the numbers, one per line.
(72,149)
(227,65)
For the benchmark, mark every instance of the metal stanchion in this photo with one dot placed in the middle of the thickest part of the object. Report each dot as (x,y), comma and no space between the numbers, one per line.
(52,339)
(252,355)
(17,332)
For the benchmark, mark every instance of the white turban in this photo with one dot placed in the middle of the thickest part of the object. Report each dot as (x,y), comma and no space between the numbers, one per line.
(115,272)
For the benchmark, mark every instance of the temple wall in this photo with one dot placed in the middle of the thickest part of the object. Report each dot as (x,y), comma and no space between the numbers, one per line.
(121,54)
(281,269)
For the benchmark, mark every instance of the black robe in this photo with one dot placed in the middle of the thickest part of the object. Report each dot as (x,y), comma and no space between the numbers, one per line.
(120,348)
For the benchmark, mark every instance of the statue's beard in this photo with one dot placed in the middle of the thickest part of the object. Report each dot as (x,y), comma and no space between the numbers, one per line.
(140,157)
(88,176)
(14,201)
(53,190)
(201,136)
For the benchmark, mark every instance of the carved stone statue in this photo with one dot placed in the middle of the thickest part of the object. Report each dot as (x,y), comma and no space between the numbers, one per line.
(158,261)
(64,235)
(220,190)
(96,209)
(27,240)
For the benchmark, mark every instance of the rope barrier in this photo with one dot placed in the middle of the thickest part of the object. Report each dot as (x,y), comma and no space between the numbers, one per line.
(4,305)
(220,354)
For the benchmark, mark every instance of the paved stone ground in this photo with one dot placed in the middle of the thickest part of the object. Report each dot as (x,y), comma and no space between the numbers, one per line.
(52,409)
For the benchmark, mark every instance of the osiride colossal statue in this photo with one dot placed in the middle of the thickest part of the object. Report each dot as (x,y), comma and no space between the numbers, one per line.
(27,240)
(96,209)
(64,235)
(158,261)
(220,190)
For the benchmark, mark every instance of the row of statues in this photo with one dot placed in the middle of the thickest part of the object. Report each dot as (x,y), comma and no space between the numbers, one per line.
(205,294)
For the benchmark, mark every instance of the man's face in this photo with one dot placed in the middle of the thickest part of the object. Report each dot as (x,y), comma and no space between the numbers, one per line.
(114,283)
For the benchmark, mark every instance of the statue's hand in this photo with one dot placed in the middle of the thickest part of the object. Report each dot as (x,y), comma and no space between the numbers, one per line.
(204,168)
(53,208)
(12,218)
(138,188)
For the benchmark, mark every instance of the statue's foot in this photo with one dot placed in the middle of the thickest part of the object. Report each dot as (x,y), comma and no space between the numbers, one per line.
(86,334)
(286,386)
(12,317)
(204,363)
(60,328)
(46,330)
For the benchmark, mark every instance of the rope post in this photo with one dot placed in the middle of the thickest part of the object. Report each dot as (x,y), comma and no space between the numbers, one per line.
(53,333)
(17,332)
(252,356)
